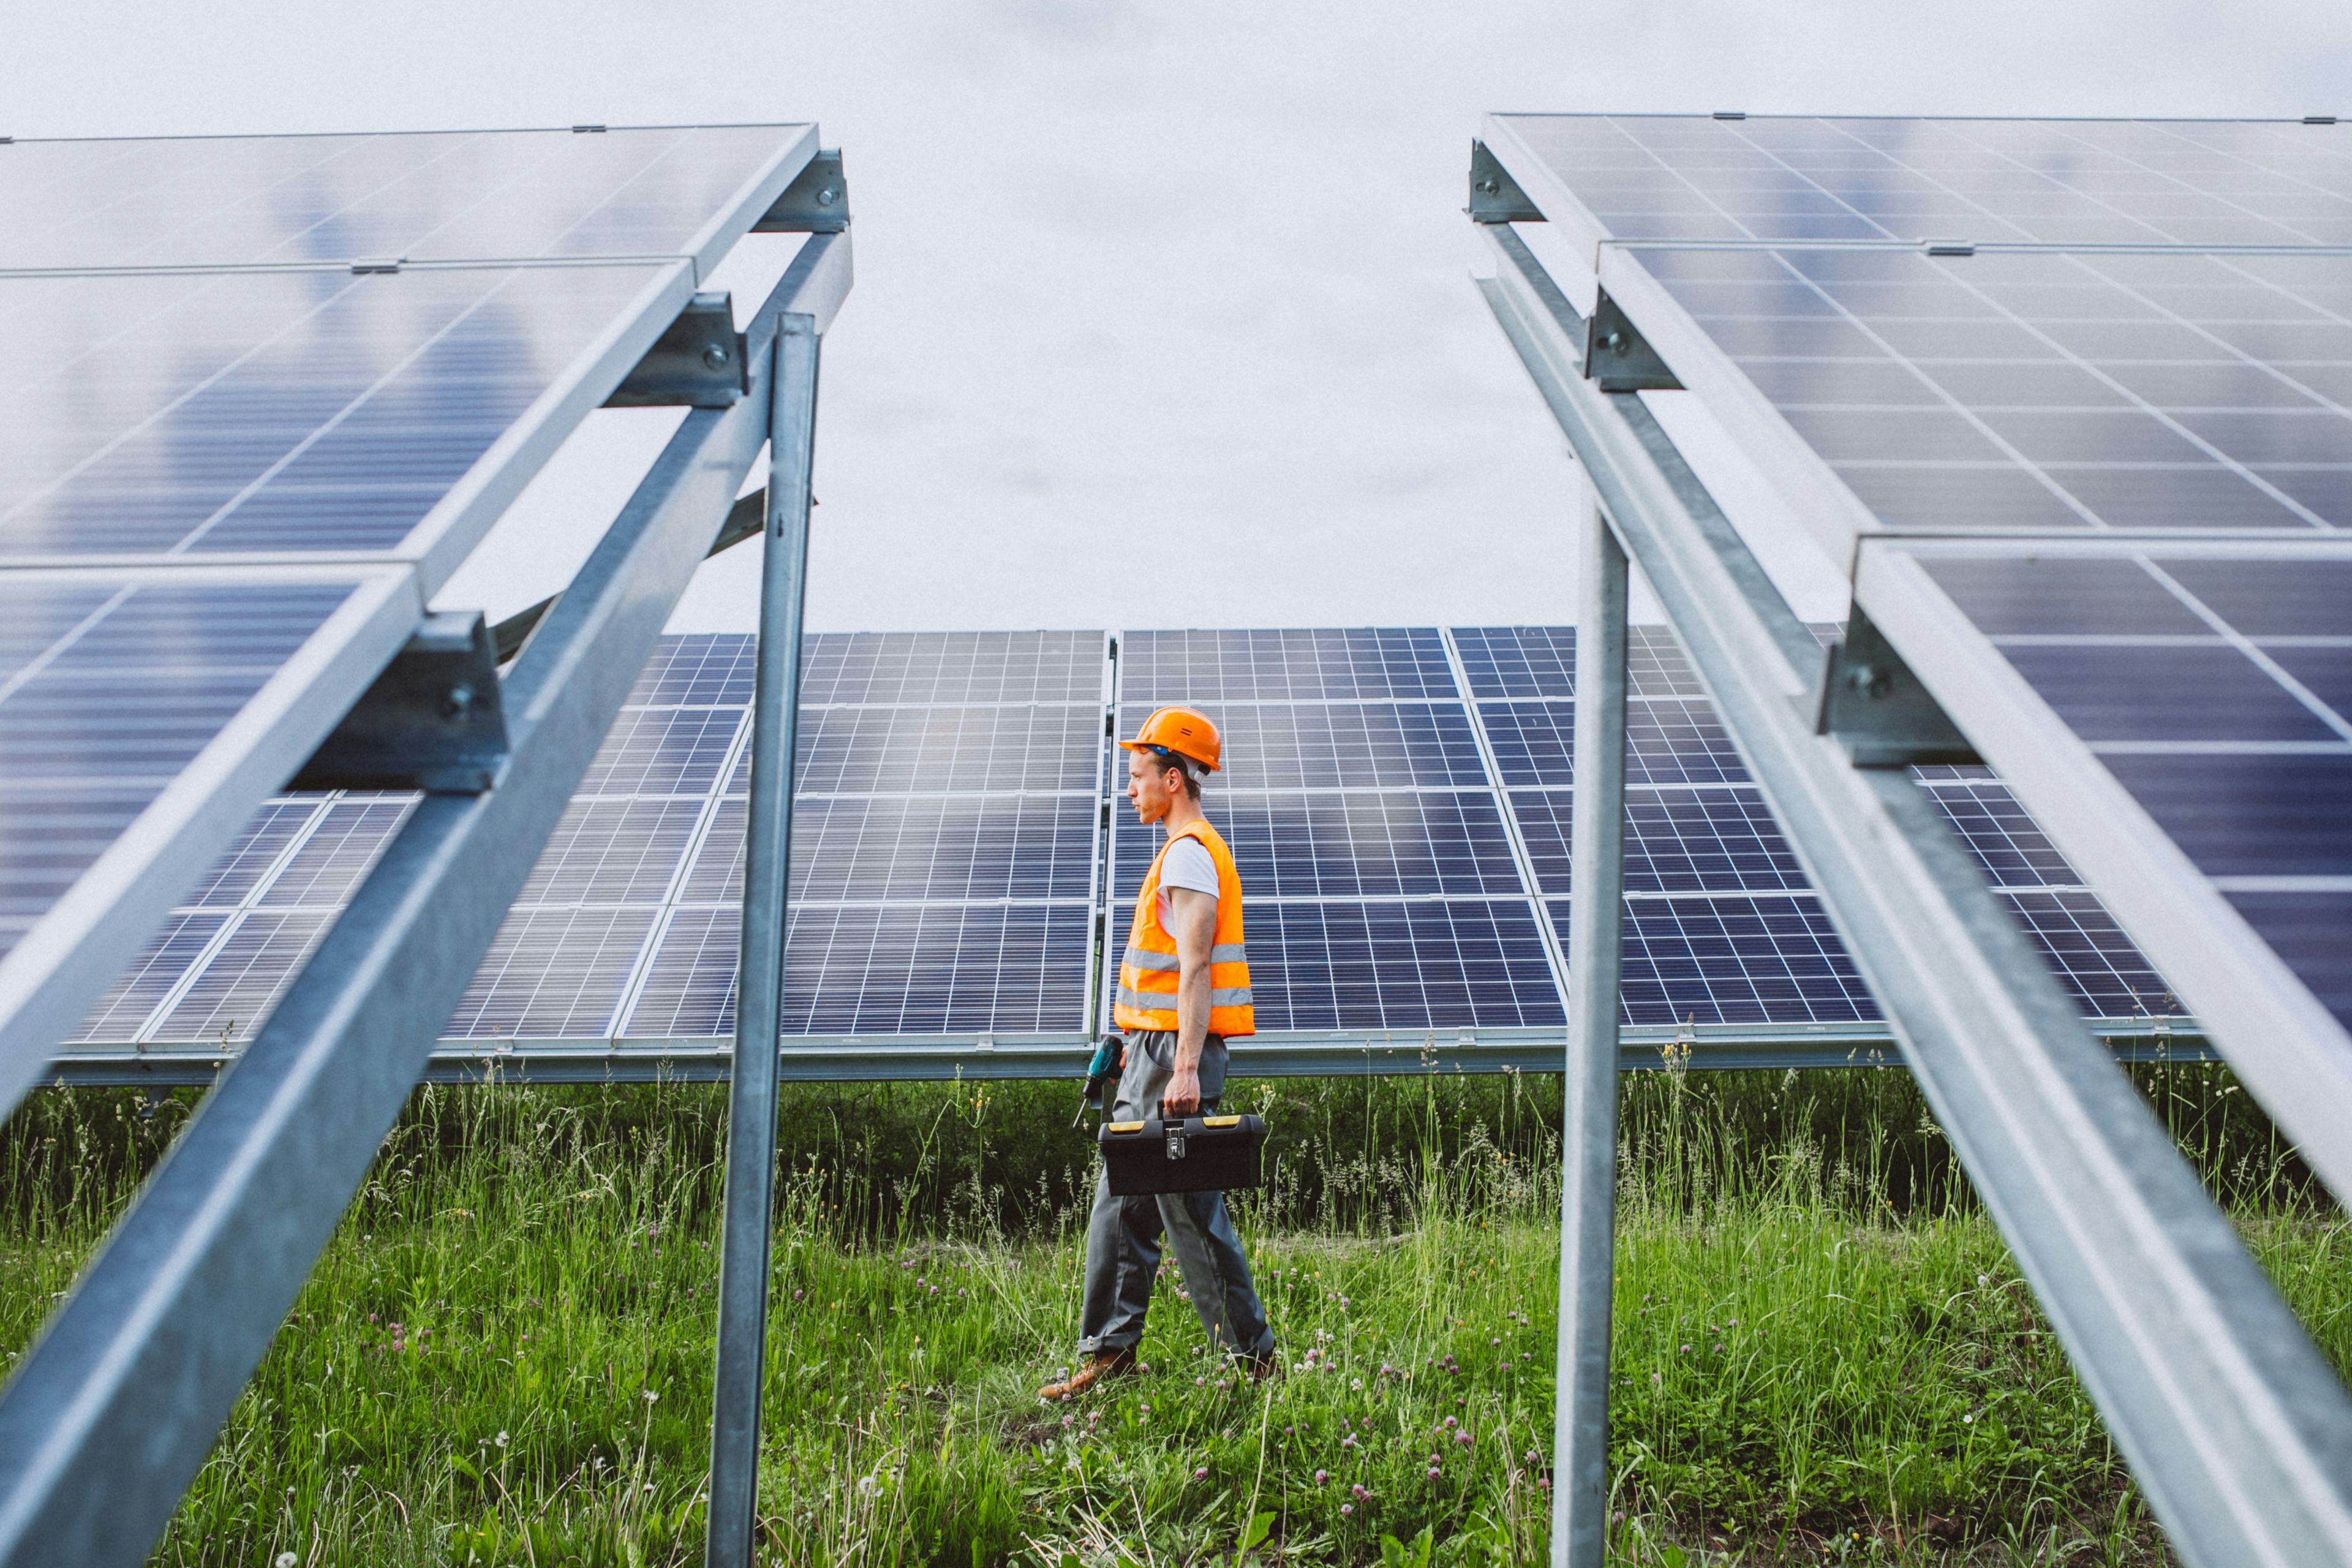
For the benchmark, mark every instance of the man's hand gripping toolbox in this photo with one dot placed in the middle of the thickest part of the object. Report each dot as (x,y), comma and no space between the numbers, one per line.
(1182,1154)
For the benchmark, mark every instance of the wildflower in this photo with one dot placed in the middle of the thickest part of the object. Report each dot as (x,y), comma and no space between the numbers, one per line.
(1968,1420)
(1655,1380)
(1199,1382)
(1143,1410)
(287,1559)
(798,1294)
(1357,1491)
(1686,1350)
(1496,1341)
(501,1439)
(1433,1472)
(1201,1474)
(1451,1422)
(1067,1420)
(1349,1441)
(1367,1423)
(1355,1383)
(1718,1348)
(1322,1476)
(1462,1437)
(1345,1508)
(651,1396)
(868,1486)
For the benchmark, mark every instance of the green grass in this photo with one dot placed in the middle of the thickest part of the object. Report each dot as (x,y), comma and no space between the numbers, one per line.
(1822,1350)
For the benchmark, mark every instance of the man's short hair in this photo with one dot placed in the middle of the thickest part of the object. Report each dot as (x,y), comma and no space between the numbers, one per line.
(1183,764)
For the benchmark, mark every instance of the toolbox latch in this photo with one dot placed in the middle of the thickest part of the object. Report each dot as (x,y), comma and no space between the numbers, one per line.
(1175,1143)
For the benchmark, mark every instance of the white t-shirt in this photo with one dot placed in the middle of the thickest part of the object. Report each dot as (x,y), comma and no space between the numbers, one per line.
(1186,865)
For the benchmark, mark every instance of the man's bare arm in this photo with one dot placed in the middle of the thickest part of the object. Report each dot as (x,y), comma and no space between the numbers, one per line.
(1193,917)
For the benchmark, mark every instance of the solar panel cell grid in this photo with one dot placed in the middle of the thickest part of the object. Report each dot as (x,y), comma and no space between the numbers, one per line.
(2058,392)
(291,413)
(941,668)
(1207,667)
(848,751)
(1406,967)
(915,849)
(97,723)
(242,981)
(1734,961)
(2066,181)
(121,1016)
(1370,745)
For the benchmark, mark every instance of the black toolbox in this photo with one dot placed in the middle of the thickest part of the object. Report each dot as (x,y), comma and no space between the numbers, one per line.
(1183,1154)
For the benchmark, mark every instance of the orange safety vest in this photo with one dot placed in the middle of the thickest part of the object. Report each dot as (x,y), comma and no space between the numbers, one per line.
(1146,977)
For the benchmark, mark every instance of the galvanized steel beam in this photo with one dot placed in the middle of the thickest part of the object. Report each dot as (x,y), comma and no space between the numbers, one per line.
(738,1380)
(2234,1423)
(1596,946)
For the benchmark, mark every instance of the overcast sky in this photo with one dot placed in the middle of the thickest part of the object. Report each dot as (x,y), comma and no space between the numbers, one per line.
(1162,315)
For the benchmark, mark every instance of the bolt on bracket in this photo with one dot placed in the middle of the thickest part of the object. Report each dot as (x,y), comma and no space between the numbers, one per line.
(1617,357)
(1494,196)
(816,201)
(698,360)
(1878,710)
(432,721)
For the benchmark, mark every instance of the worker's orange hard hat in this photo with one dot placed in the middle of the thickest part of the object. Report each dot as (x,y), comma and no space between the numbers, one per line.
(1185,731)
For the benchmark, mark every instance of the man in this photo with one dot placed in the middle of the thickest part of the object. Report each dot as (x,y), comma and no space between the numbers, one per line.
(1183,991)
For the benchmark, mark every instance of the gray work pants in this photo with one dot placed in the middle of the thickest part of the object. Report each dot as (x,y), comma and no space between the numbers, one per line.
(1123,1233)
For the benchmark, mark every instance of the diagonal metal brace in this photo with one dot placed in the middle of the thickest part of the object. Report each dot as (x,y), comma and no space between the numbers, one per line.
(697,362)
(1494,196)
(1877,709)
(816,201)
(432,721)
(1618,358)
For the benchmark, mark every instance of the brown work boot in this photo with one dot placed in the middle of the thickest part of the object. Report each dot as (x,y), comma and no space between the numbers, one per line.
(1101,1365)
(1262,1366)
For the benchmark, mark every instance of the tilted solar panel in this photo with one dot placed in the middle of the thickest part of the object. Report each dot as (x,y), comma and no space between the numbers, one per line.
(301,413)
(222,201)
(2061,393)
(1803,180)
(219,356)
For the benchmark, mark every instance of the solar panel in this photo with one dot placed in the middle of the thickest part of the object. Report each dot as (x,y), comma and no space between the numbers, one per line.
(2202,682)
(1304,666)
(1405,967)
(951,817)
(1862,181)
(141,714)
(1377,745)
(1734,961)
(300,413)
(218,201)
(2039,392)
(923,913)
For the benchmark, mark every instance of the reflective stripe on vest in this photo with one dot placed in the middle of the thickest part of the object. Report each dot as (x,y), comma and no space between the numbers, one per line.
(1151,970)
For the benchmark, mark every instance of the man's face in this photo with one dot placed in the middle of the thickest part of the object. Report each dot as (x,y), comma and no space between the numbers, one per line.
(1147,778)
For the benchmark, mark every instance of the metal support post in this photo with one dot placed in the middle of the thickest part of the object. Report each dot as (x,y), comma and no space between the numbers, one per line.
(1580,1472)
(2235,1425)
(113,1410)
(751,1094)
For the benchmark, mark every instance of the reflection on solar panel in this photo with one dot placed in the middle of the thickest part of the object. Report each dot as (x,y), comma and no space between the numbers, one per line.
(946,882)
(1814,180)
(217,201)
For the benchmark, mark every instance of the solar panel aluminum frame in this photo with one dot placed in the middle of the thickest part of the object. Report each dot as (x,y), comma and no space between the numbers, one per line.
(113,1409)
(2236,1427)
(2293,1054)
(76,947)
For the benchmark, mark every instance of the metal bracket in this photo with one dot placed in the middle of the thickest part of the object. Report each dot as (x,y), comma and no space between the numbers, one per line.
(816,201)
(1618,357)
(1878,710)
(1494,196)
(698,360)
(431,721)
